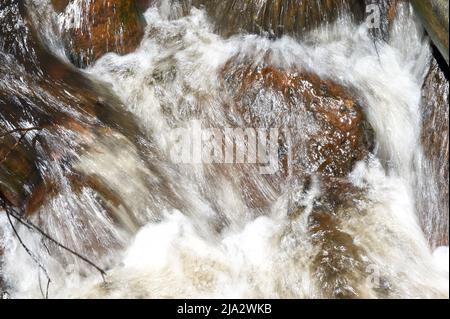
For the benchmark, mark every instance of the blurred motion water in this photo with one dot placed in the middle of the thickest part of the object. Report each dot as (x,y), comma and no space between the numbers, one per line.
(96,172)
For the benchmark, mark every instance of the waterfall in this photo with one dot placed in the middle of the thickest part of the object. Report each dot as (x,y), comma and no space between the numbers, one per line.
(316,228)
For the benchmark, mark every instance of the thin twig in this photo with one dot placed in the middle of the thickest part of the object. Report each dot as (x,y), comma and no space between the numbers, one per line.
(30,225)
(30,253)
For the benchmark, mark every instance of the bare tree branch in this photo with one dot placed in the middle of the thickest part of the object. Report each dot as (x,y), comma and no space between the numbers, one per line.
(31,226)
(30,253)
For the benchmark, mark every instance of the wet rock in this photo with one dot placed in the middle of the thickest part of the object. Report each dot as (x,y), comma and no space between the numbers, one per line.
(104,26)
(273,17)
(339,265)
(434,198)
(388,10)
(60,5)
(23,182)
(316,126)
(327,128)
(338,259)
(17,168)
(143,5)
(41,98)
(72,117)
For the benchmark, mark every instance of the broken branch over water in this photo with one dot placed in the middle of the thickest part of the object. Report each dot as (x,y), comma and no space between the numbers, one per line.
(29,252)
(30,226)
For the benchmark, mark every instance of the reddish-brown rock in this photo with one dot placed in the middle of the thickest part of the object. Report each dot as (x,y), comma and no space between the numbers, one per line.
(338,265)
(327,127)
(106,26)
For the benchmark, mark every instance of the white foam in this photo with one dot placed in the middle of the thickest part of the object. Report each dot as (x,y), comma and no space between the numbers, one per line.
(441,258)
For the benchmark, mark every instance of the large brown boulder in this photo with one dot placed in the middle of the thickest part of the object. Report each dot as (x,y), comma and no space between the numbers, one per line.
(50,116)
(321,129)
(327,127)
(434,17)
(105,26)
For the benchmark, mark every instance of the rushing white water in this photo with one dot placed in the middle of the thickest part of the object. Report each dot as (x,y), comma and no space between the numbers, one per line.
(179,252)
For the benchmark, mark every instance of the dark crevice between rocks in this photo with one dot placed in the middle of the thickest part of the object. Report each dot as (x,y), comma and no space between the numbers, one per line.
(443,66)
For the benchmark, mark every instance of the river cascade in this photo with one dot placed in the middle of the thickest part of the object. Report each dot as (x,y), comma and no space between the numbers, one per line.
(221,149)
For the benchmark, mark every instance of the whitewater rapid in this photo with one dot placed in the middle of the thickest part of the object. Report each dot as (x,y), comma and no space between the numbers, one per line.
(178,253)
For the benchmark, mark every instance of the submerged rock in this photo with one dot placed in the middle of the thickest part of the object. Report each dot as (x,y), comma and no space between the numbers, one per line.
(3,286)
(434,199)
(320,129)
(338,263)
(60,5)
(93,28)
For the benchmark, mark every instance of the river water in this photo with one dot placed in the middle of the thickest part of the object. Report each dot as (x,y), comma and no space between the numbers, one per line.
(185,229)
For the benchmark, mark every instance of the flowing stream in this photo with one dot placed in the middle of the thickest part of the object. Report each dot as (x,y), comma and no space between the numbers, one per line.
(186,229)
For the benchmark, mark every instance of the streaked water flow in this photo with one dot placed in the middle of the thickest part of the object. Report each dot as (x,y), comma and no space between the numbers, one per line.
(185,230)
